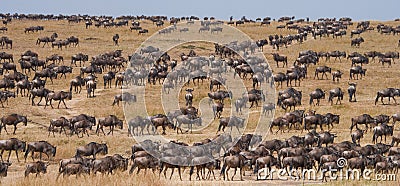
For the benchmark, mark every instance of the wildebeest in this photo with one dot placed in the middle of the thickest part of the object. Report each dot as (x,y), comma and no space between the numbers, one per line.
(74,168)
(161,120)
(336,75)
(91,149)
(280,58)
(357,70)
(36,168)
(12,119)
(79,57)
(388,92)
(352,92)
(144,163)
(323,70)
(382,130)
(110,121)
(41,92)
(189,120)
(126,97)
(137,122)
(359,60)
(220,95)
(61,122)
(362,119)
(217,108)
(317,94)
(91,87)
(280,122)
(232,121)
(268,108)
(234,161)
(357,41)
(337,92)
(115,38)
(58,96)
(189,97)
(10,145)
(41,147)
(4,168)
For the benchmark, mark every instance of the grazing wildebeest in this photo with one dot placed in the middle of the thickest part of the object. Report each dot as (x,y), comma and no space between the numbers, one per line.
(61,122)
(91,87)
(41,147)
(337,92)
(232,121)
(362,119)
(36,168)
(4,168)
(357,70)
(280,58)
(325,138)
(10,145)
(323,70)
(4,56)
(317,94)
(9,66)
(352,91)
(337,75)
(126,97)
(91,149)
(41,92)
(357,41)
(382,130)
(111,121)
(12,119)
(115,38)
(78,81)
(58,96)
(356,136)
(235,161)
(388,92)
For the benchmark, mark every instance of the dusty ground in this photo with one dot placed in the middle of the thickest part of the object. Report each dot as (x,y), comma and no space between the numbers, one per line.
(95,41)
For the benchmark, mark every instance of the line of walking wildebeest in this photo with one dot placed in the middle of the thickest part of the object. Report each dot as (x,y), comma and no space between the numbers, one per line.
(295,152)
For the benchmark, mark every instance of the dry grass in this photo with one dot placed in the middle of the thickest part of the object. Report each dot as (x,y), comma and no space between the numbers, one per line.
(94,41)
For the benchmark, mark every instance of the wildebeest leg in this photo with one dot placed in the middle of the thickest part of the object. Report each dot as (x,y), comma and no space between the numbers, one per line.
(5,127)
(234,173)
(15,128)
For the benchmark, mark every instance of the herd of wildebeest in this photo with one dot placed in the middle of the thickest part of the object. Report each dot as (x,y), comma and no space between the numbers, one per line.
(152,66)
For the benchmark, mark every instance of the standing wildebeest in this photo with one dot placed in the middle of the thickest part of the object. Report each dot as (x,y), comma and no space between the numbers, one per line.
(217,108)
(220,95)
(323,70)
(337,92)
(36,167)
(357,41)
(12,119)
(83,125)
(78,81)
(79,57)
(115,38)
(74,168)
(239,104)
(58,96)
(10,145)
(359,60)
(279,78)
(280,58)
(268,108)
(91,149)
(336,75)
(41,147)
(235,161)
(357,70)
(137,122)
(161,120)
(91,87)
(109,121)
(352,91)
(388,92)
(61,122)
(108,78)
(356,136)
(382,130)
(189,97)
(362,119)
(42,93)
(189,120)
(317,94)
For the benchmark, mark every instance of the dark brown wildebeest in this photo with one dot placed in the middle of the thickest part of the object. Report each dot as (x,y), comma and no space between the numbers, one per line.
(91,87)
(58,96)
(79,57)
(356,136)
(61,122)
(143,31)
(359,60)
(108,78)
(385,60)
(4,168)
(81,126)
(110,121)
(396,117)
(337,92)
(265,162)
(280,122)
(26,65)
(382,130)
(10,145)
(12,119)
(9,66)
(73,168)
(217,108)
(145,162)
(357,41)
(235,161)
(78,81)
(295,162)
(36,168)
(201,165)
(74,160)
(326,138)
(4,56)
(126,97)
(161,120)
(317,94)
(323,70)
(337,75)
(279,58)
(91,149)
(172,163)
(115,38)
(189,97)
(6,41)
(362,119)
(279,78)
(352,91)
(388,92)
(41,147)
(42,93)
